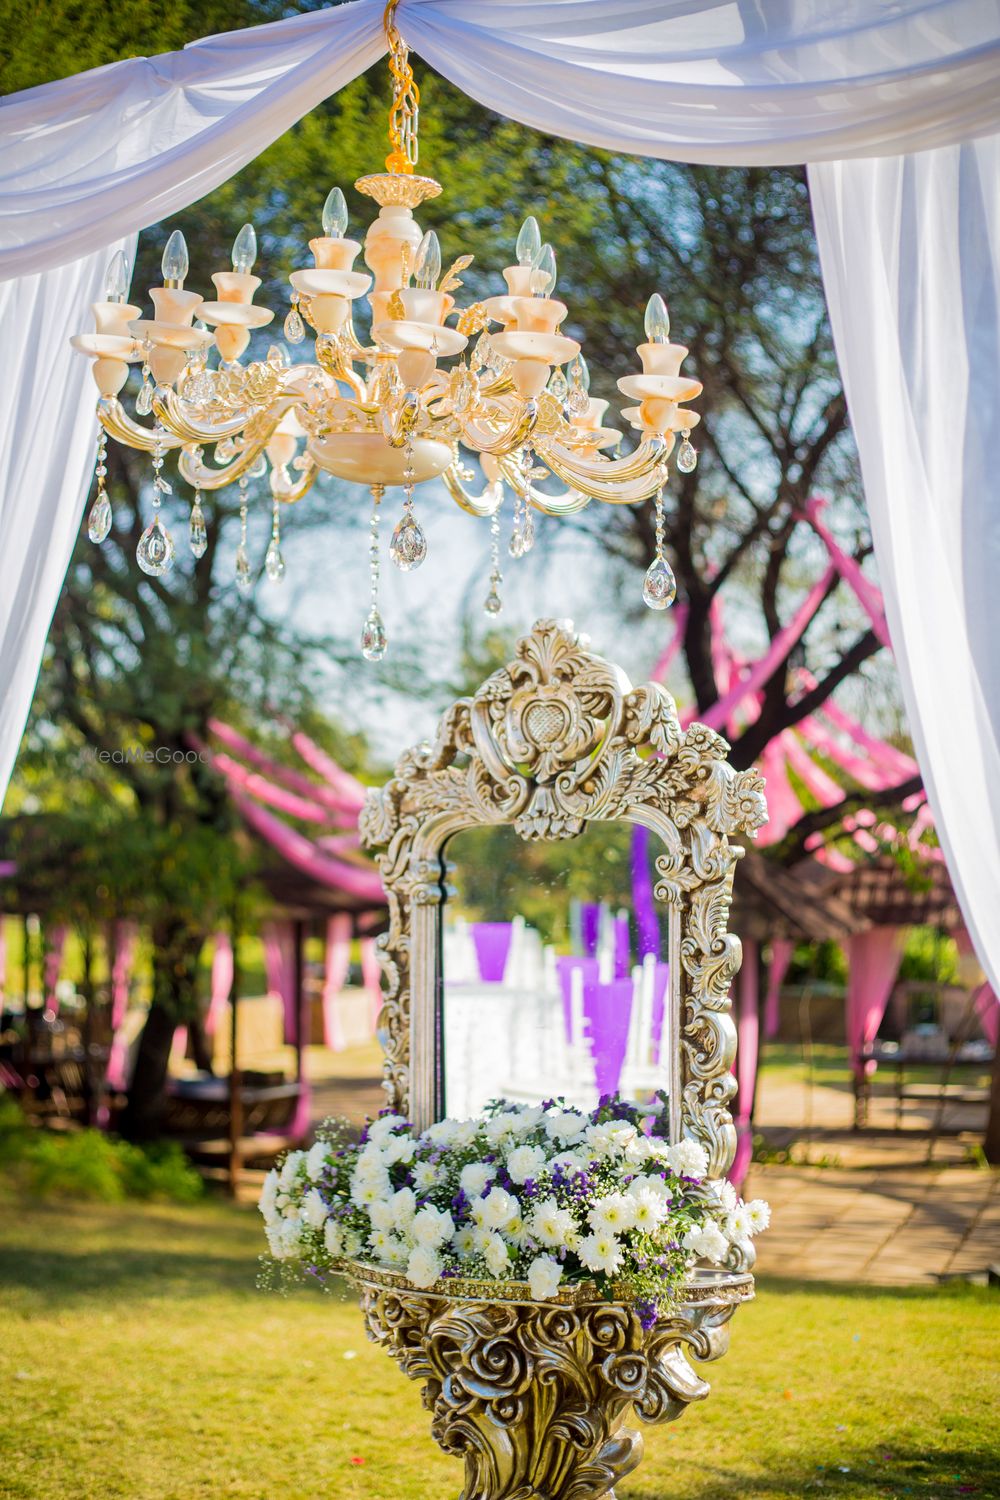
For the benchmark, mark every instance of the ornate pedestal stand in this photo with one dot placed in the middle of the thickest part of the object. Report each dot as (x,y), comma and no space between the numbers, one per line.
(536,1396)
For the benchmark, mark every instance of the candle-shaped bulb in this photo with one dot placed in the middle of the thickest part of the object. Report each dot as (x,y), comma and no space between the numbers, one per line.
(427,267)
(335,215)
(245,250)
(116,278)
(174,264)
(579,374)
(529,242)
(657,320)
(543,275)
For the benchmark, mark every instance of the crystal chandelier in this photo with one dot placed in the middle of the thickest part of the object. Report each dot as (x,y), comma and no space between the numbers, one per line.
(390,413)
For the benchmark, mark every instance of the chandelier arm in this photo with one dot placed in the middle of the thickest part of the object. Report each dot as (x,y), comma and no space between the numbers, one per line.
(203,478)
(476,505)
(169,408)
(482,440)
(118,424)
(301,486)
(338,367)
(566,504)
(617,482)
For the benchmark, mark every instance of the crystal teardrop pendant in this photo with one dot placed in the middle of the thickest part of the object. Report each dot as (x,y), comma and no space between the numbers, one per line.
(144,400)
(99,520)
(295,329)
(274,563)
(558,384)
(659,587)
(687,457)
(197,534)
(244,577)
(155,551)
(515,546)
(373,637)
(527,533)
(408,546)
(493,604)
(258,468)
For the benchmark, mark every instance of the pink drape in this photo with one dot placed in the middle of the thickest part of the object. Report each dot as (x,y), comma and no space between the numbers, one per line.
(3,955)
(748,1042)
(873,962)
(357,880)
(868,594)
(371,973)
(279,969)
(274,770)
(781,956)
(223,968)
(342,782)
(985,1003)
(338,960)
(55,946)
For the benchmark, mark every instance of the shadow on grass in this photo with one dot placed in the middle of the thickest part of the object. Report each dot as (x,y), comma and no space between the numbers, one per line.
(890,1472)
(956,1291)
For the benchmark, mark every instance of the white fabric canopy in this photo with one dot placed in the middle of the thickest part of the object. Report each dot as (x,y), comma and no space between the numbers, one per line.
(91,159)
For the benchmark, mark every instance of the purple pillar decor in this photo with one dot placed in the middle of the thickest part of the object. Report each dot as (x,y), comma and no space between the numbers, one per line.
(748,1031)
(492,940)
(623,947)
(590,926)
(643,905)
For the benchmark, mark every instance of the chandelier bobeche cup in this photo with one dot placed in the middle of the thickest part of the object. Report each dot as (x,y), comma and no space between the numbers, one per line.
(390,413)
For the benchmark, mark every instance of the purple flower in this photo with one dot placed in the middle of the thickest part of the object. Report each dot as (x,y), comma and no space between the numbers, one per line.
(648,1313)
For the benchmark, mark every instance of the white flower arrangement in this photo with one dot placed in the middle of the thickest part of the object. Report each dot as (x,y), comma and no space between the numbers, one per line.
(544,1195)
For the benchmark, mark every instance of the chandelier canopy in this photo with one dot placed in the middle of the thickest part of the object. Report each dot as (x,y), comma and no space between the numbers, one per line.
(397,411)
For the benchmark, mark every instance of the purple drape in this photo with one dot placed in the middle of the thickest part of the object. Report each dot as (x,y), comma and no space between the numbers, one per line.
(646,919)
(623,947)
(590,927)
(608,1008)
(873,962)
(781,956)
(748,1039)
(492,940)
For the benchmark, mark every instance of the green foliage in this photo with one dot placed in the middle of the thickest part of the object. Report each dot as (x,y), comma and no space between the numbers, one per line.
(88,1164)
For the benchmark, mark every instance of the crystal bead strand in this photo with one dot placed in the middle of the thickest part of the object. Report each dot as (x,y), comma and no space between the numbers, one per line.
(659,587)
(144,400)
(99,520)
(244,578)
(493,604)
(274,563)
(516,544)
(408,546)
(155,551)
(373,636)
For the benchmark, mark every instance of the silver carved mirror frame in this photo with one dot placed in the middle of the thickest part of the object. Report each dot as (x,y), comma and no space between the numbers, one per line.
(550,743)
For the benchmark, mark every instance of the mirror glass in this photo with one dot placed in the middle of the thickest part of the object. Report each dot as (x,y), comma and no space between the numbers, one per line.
(555,969)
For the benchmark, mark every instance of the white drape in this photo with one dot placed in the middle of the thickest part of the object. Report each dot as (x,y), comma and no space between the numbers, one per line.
(911,263)
(91,159)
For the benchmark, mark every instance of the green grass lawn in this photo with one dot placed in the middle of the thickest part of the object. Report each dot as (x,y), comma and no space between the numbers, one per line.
(139,1362)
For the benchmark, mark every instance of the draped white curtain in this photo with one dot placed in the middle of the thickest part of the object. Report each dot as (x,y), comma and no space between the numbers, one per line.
(91,159)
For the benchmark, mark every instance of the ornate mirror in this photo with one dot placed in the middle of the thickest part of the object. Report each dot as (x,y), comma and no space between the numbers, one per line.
(559,870)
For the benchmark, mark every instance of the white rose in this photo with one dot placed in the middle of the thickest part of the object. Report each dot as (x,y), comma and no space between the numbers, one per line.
(442,1133)
(464,1133)
(316,1159)
(566,1126)
(431,1226)
(551,1224)
(474,1178)
(399,1148)
(382,1215)
(600,1252)
(688,1159)
(496,1209)
(544,1276)
(333,1236)
(268,1202)
(283,1239)
(525,1162)
(709,1242)
(424,1266)
(314,1210)
(498,1128)
(527,1117)
(650,1184)
(495,1255)
(381,1129)
(404,1206)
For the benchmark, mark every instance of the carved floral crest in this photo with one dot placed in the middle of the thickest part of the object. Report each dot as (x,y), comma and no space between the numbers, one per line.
(553,741)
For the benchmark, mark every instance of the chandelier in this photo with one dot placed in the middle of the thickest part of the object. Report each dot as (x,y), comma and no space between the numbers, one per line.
(390,413)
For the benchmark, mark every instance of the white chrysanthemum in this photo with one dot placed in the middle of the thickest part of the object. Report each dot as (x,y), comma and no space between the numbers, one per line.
(404,1206)
(379,1242)
(423,1267)
(370,1166)
(465,1241)
(650,1183)
(496,1209)
(397,1253)
(525,1162)
(551,1224)
(333,1237)
(496,1255)
(499,1127)
(759,1215)
(290,1170)
(366,1190)
(399,1148)
(650,1210)
(316,1159)
(283,1239)
(544,1276)
(314,1210)
(708,1241)
(525,1119)
(476,1177)
(737,1225)
(600,1252)
(381,1129)
(516,1231)
(614,1214)
(352,1243)
(639,1150)
(598,1139)
(382,1214)
(566,1126)
(464,1134)
(688,1159)
(431,1226)
(441,1133)
(268,1202)
(424,1176)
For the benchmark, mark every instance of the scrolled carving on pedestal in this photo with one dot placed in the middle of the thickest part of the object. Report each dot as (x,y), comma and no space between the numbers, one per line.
(536,1397)
(555,740)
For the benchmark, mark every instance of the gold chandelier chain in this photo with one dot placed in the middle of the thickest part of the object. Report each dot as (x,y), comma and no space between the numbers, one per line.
(404,115)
